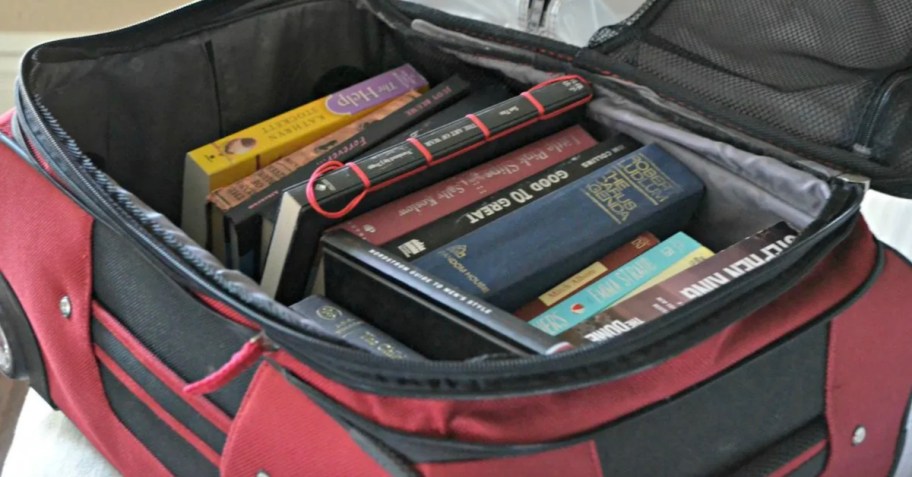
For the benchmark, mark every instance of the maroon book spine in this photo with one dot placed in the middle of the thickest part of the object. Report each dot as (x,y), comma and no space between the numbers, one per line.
(427,205)
(607,264)
(701,279)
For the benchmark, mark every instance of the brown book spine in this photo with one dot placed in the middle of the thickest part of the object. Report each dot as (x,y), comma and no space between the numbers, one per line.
(699,280)
(588,275)
(230,196)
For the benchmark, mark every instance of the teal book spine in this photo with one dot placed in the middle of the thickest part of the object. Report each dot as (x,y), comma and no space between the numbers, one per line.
(614,286)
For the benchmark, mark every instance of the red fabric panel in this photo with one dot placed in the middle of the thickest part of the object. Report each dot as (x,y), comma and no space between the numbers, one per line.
(6,123)
(800,460)
(280,431)
(228,312)
(869,375)
(151,362)
(45,254)
(563,414)
(580,460)
(160,412)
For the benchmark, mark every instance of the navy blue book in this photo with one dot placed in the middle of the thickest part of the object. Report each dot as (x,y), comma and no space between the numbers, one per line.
(517,257)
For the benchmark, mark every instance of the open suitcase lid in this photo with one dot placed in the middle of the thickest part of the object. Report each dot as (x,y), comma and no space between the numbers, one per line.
(828,80)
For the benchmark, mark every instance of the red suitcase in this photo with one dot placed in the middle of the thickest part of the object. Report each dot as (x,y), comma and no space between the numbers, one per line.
(172,364)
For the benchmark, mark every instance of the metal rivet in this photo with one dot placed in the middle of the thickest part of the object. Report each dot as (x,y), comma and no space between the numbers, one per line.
(859,435)
(262,473)
(66,308)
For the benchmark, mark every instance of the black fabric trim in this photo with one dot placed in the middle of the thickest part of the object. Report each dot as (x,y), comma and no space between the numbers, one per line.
(187,336)
(166,398)
(785,451)
(901,440)
(167,446)
(814,466)
(26,354)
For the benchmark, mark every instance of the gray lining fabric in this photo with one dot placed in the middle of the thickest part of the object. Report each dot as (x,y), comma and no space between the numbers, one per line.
(737,180)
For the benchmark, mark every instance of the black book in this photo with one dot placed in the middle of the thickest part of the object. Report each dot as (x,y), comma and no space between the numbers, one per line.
(242,222)
(321,312)
(429,316)
(404,168)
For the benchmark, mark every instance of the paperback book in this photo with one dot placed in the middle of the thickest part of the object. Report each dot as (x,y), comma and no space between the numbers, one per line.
(702,279)
(233,157)
(318,311)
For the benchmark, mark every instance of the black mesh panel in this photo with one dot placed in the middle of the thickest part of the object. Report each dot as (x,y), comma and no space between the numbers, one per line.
(825,78)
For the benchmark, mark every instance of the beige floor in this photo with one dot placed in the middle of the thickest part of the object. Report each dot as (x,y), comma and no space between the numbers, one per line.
(46,443)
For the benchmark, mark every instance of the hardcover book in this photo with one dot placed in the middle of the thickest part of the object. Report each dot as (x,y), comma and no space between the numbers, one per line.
(422,241)
(614,286)
(588,275)
(332,318)
(409,166)
(231,158)
(429,316)
(517,257)
(243,221)
(420,208)
(701,279)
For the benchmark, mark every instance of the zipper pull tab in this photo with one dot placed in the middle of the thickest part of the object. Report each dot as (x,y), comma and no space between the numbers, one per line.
(855,179)
(249,354)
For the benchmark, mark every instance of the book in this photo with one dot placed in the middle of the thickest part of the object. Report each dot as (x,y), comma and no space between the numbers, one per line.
(515,258)
(224,199)
(409,166)
(233,157)
(321,312)
(420,208)
(614,286)
(418,243)
(693,258)
(244,222)
(605,265)
(702,279)
(429,316)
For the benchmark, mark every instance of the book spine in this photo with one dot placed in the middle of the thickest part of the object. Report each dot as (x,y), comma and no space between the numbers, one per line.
(476,311)
(235,194)
(693,258)
(515,258)
(614,286)
(699,280)
(330,317)
(418,209)
(423,240)
(588,275)
(453,139)
(437,98)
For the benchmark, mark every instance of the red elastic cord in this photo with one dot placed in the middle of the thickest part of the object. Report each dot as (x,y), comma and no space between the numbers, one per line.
(239,362)
(423,150)
(481,126)
(332,166)
(558,79)
(538,105)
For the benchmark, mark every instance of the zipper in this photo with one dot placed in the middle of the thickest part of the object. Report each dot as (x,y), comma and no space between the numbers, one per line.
(566,370)
(876,111)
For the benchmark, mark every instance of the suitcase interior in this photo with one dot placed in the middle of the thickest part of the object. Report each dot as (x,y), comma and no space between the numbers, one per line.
(135,101)
(164,94)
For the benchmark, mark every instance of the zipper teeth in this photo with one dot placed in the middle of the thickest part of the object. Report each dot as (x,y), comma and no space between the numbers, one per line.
(873,119)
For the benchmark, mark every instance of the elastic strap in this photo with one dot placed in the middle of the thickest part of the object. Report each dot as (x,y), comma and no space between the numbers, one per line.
(239,362)
(481,126)
(428,157)
(535,102)
(329,167)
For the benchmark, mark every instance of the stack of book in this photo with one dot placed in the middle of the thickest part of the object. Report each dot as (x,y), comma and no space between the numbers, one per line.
(458,220)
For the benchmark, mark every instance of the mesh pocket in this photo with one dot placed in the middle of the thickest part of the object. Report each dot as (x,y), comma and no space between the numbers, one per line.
(806,73)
